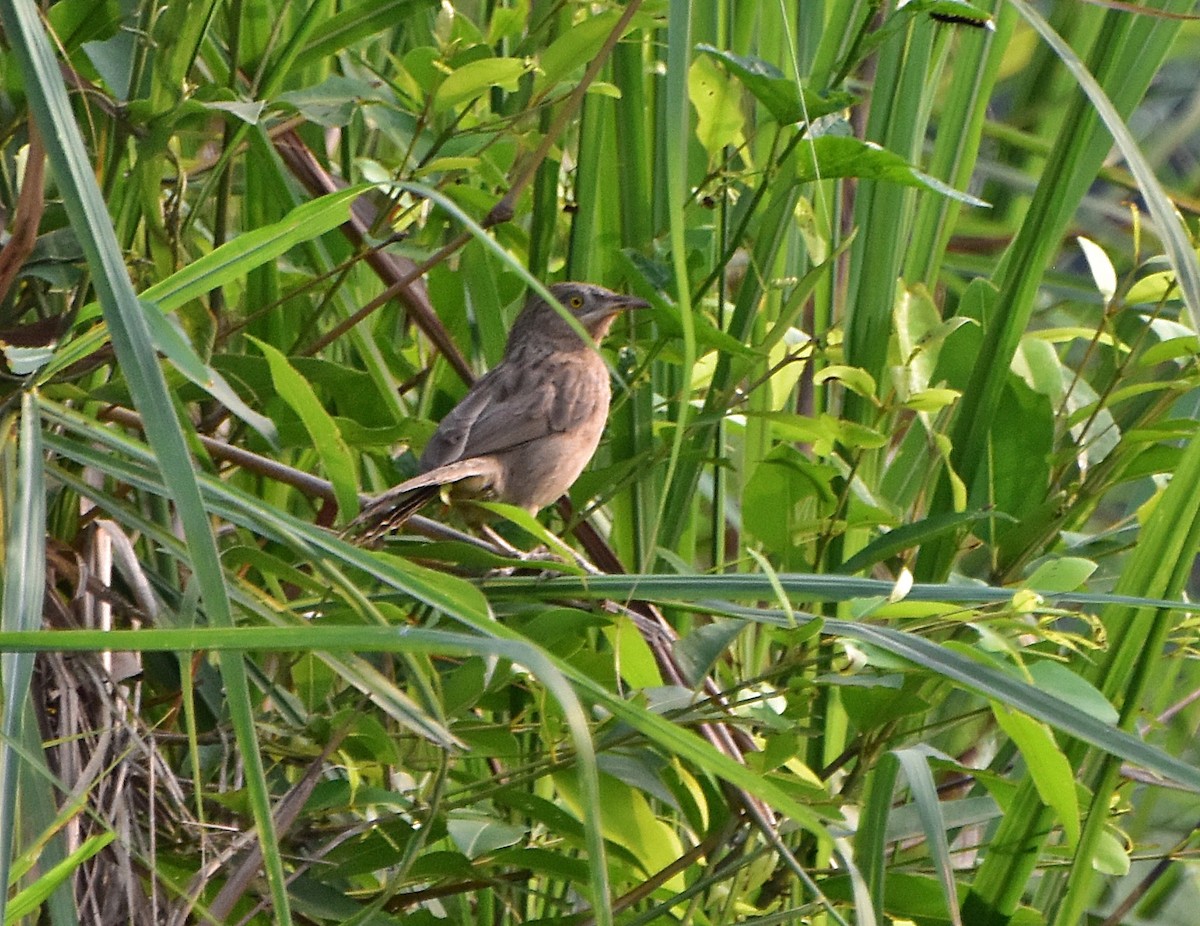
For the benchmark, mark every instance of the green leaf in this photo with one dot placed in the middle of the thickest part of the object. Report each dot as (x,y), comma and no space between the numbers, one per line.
(719,118)
(932,400)
(775,492)
(28,899)
(831,156)
(910,536)
(823,432)
(333,102)
(1061,574)
(249,111)
(779,94)
(576,46)
(471,80)
(630,822)
(1112,854)
(170,339)
(855,379)
(335,456)
(635,659)
(1153,288)
(477,834)
(114,60)
(698,651)
(1051,772)
(1171,349)
(1018,470)
(1066,685)
(355,23)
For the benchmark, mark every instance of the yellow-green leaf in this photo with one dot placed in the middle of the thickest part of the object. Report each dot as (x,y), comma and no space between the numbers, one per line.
(327,440)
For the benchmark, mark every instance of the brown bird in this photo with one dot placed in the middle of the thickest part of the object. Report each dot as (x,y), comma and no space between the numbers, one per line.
(525,431)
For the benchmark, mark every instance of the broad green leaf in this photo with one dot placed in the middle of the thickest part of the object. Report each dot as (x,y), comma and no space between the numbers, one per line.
(1187,346)
(508,22)
(76,22)
(249,111)
(114,60)
(1076,333)
(909,536)
(1061,574)
(1153,289)
(1051,772)
(786,102)
(824,432)
(697,652)
(333,102)
(327,440)
(919,333)
(775,492)
(1060,681)
(1112,857)
(1018,471)
(630,822)
(476,834)
(170,339)
(635,659)
(471,80)
(832,156)
(932,400)
(855,379)
(719,116)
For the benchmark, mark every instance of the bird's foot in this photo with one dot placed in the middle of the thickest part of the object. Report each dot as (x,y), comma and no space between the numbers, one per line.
(539,554)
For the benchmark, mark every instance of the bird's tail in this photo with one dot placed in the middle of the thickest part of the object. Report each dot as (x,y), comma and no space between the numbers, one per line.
(388,512)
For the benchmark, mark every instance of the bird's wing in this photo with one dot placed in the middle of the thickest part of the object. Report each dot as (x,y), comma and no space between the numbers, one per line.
(516,403)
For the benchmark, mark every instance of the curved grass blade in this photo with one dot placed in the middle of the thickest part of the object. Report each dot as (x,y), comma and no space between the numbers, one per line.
(24,588)
(231,641)
(136,354)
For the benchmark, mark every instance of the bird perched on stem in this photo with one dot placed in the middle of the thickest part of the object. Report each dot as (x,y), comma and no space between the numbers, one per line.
(525,431)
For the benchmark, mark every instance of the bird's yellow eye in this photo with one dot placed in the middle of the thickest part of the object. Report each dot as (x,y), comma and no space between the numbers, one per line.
(575,301)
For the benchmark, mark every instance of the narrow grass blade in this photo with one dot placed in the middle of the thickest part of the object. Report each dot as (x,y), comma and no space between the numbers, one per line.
(139,364)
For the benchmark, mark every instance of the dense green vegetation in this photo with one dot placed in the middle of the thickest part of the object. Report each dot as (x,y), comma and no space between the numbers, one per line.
(876,606)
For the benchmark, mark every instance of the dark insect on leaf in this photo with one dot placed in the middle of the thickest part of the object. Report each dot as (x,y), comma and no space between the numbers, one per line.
(951,19)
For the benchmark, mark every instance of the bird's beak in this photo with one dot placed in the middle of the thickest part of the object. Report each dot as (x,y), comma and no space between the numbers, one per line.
(630,302)
(609,308)
(620,303)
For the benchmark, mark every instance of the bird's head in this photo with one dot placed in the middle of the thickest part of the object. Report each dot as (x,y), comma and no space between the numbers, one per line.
(594,307)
